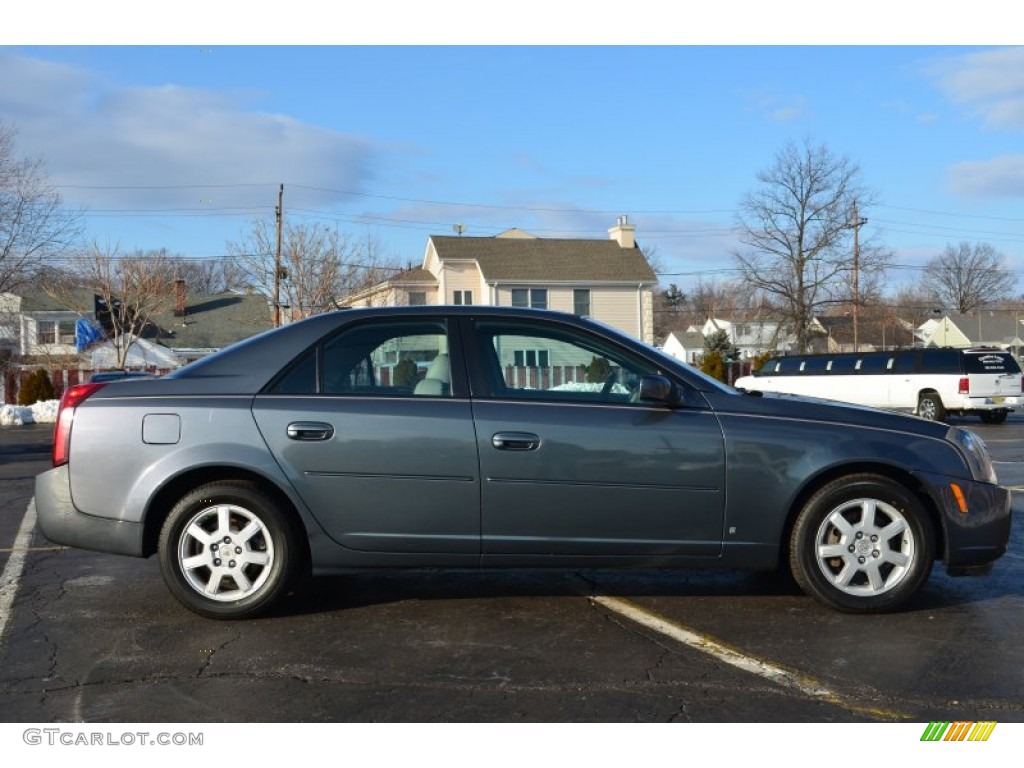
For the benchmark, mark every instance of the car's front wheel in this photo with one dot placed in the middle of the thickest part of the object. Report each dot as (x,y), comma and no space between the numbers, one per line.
(227,551)
(862,544)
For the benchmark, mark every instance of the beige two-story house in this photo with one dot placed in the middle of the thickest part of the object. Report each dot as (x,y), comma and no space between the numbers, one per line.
(609,280)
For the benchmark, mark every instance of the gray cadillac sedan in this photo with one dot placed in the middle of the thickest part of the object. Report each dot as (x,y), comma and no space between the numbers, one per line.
(485,437)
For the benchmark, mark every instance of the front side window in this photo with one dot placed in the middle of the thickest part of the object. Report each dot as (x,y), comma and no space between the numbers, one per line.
(538,362)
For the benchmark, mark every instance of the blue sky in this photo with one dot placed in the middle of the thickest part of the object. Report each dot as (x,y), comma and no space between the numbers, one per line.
(178,147)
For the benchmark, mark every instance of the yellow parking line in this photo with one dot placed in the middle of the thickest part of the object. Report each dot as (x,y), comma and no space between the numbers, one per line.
(796,681)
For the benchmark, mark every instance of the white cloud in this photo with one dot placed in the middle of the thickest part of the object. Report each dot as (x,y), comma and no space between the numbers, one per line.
(94,134)
(988,83)
(999,177)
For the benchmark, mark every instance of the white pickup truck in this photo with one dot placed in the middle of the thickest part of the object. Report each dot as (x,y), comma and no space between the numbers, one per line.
(930,382)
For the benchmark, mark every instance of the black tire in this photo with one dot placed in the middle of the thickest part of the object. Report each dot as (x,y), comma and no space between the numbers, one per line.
(994,417)
(834,558)
(244,570)
(929,406)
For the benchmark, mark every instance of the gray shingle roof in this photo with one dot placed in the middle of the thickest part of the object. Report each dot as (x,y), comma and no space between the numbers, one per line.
(213,322)
(40,301)
(990,327)
(417,275)
(548,259)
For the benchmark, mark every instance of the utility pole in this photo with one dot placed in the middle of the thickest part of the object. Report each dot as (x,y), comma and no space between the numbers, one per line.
(857,224)
(277,258)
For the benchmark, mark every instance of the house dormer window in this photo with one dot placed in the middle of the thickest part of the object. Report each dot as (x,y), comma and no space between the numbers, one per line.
(462,298)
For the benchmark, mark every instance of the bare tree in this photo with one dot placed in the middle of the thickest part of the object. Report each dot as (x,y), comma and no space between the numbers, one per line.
(206,277)
(34,224)
(126,292)
(797,228)
(318,264)
(968,276)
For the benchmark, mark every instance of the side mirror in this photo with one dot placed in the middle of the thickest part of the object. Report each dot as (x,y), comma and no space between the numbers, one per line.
(659,389)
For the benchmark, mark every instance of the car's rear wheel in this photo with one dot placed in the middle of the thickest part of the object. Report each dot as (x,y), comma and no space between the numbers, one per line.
(862,544)
(994,417)
(227,551)
(930,407)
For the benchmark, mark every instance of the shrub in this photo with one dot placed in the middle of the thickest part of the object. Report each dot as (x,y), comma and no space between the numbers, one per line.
(599,370)
(760,360)
(713,365)
(37,387)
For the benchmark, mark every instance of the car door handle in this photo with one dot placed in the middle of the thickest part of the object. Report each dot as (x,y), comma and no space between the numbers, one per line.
(310,430)
(516,441)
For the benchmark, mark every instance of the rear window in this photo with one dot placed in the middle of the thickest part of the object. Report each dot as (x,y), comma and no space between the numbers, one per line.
(991,362)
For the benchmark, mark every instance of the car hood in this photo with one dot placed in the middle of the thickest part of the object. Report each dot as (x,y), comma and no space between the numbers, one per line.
(815,409)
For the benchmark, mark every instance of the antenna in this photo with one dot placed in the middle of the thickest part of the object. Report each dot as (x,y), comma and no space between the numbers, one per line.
(459,229)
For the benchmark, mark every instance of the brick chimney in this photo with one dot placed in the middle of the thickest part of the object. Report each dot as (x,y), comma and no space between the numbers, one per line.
(623,233)
(179,297)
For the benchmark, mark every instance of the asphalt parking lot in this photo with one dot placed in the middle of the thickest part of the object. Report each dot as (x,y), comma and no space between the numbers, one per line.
(98,638)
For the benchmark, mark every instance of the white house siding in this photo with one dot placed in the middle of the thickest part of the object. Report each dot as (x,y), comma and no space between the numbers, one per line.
(617,306)
(463,276)
(64,323)
(627,308)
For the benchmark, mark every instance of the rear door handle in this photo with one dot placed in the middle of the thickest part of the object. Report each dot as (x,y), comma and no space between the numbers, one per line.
(516,441)
(310,430)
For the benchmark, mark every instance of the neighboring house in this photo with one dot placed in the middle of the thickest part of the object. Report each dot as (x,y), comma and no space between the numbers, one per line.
(752,337)
(687,346)
(981,329)
(874,332)
(10,334)
(197,326)
(756,336)
(34,326)
(608,280)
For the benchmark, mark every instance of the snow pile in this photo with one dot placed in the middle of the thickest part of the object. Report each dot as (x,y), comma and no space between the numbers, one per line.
(44,412)
(581,386)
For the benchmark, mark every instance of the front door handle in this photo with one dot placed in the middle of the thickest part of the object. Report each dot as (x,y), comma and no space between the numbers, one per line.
(516,441)
(310,430)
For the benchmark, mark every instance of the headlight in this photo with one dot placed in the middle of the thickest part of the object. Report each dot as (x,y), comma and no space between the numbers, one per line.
(974,451)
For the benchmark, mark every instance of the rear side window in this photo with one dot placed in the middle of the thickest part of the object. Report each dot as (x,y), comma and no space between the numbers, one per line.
(940,361)
(789,366)
(813,365)
(843,365)
(991,362)
(874,364)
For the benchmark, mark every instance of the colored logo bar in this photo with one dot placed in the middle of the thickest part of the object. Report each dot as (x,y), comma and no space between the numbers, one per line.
(958,731)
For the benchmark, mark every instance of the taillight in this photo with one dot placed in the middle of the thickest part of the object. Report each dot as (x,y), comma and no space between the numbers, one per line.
(71,398)
(965,386)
